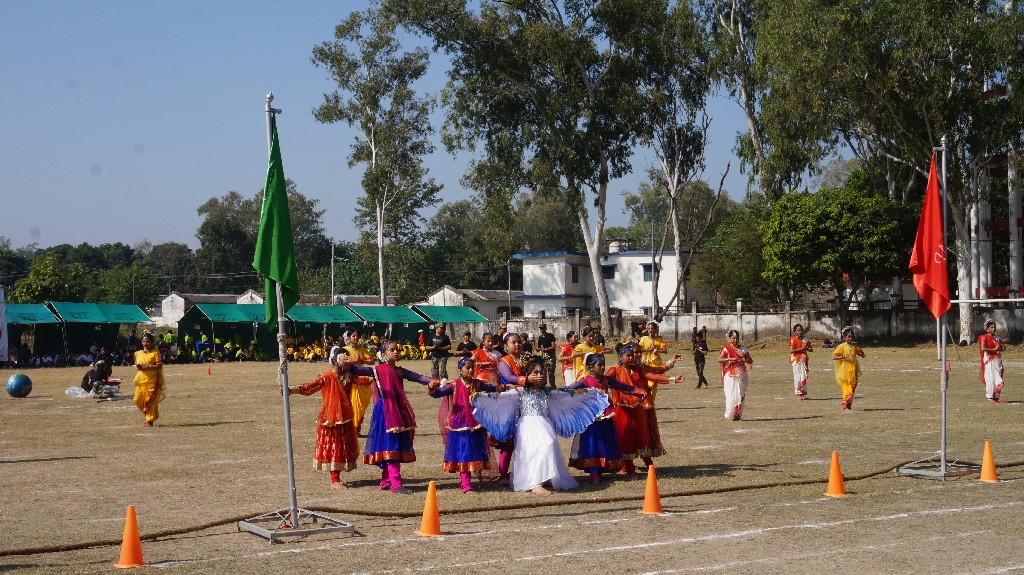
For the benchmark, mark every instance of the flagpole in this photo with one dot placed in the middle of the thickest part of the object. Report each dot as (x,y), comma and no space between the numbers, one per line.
(275,260)
(945,322)
(282,354)
(933,285)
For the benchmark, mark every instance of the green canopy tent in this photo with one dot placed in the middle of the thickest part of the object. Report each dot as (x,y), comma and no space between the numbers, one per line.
(317,322)
(83,325)
(450,314)
(31,318)
(402,322)
(227,322)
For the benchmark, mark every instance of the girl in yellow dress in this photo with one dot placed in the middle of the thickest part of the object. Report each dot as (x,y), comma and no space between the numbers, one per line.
(651,347)
(361,392)
(149,381)
(847,367)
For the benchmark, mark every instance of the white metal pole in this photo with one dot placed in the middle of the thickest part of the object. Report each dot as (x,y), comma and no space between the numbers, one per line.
(942,338)
(282,354)
(654,296)
(332,273)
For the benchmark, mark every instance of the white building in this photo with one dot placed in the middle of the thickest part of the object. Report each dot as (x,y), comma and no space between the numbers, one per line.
(559,283)
(340,299)
(175,304)
(489,303)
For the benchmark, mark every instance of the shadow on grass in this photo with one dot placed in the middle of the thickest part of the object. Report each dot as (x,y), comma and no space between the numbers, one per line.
(16,566)
(46,460)
(711,470)
(884,409)
(210,424)
(783,418)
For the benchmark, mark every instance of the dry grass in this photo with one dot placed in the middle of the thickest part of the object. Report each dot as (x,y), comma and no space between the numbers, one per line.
(69,468)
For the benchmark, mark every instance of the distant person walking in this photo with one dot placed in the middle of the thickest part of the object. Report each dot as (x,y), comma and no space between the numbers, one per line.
(799,346)
(149,381)
(990,347)
(847,367)
(700,355)
(735,361)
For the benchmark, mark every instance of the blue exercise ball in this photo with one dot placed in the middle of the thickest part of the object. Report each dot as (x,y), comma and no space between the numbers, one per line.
(19,385)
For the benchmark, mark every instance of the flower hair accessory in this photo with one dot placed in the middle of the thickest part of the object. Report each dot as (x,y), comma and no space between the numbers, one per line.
(526,360)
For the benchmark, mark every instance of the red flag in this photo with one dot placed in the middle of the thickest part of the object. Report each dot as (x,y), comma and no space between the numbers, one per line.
(928,260)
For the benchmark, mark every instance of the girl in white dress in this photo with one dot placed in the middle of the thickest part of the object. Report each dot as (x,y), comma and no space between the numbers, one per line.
(534,415)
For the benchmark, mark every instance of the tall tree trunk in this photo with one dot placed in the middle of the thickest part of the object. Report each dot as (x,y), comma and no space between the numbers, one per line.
(380,252)
(963,268)
(594,242)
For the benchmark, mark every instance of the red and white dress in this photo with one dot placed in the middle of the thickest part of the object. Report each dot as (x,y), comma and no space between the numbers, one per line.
(734,380)
(991,365)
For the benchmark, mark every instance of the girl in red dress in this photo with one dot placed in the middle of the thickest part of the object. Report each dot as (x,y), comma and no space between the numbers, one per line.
(336,447)
(635,418)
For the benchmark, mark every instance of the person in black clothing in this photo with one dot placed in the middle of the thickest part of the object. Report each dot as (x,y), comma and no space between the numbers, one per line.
(439,348)
(499,340)
(546,345)
(527,346)
(700,352)
(96,380)
(466,346)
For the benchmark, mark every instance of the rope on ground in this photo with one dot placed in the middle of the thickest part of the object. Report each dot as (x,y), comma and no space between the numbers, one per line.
(404,515)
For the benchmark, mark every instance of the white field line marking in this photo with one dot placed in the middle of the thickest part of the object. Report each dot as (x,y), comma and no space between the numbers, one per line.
(788,558)
(668,514)
(611,549)
(997,570)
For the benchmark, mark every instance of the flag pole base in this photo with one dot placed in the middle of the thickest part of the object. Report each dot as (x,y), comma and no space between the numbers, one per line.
(276,525)
(932,467)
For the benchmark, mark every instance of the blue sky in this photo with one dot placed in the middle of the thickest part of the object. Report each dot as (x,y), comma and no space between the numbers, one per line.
(121,117)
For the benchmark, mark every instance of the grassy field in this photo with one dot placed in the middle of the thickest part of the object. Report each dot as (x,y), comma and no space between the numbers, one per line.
(736,494)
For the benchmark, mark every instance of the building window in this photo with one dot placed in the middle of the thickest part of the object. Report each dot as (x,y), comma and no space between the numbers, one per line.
(608,272)
(648,276)
(575,275)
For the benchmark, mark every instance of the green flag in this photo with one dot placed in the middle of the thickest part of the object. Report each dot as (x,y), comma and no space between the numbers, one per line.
(275,252)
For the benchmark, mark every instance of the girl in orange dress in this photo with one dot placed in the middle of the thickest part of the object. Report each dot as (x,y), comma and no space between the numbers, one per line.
(798,348)
(635,419)
(486,369)
(336,447)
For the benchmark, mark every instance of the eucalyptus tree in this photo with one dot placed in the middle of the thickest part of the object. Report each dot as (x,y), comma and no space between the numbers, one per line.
(675,94)
(733,33)
(886,80)
(549,87)
(376,97)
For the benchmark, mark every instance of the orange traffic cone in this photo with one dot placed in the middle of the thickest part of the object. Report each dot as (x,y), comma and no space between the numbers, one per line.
(131,546)
(652,500)
(209,370)
(988,466)
(430,526)
(835,478)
